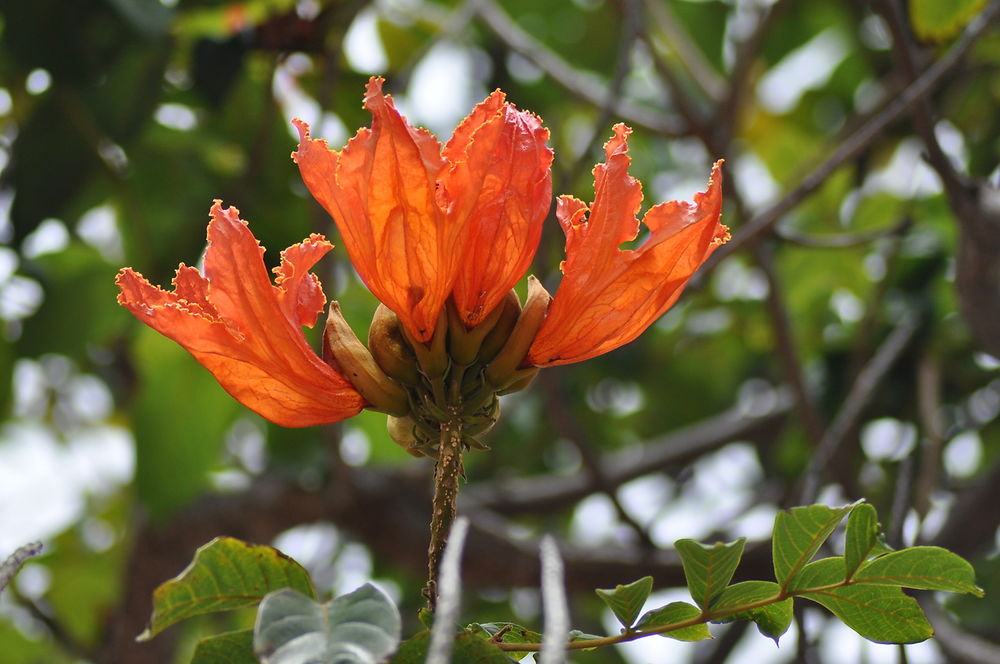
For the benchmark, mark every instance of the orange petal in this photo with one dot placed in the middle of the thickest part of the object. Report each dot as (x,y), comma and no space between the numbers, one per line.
(500,187)
(245,330)
(609,296)
(380,189)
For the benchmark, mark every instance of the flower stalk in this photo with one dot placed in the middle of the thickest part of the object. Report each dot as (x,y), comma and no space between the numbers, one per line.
(444,506)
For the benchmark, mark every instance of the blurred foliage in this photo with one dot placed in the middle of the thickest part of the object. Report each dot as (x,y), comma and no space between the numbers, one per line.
(121,121)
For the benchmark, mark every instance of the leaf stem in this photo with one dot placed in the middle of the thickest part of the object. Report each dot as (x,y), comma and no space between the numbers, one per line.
(706,616)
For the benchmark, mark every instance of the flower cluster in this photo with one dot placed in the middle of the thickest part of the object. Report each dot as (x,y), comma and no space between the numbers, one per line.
(440,235)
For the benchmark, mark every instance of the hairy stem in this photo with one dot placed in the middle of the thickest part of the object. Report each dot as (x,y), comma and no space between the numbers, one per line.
(447,473)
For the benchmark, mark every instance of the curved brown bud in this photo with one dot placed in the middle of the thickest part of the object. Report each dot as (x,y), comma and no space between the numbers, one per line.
(389,347)
(344,351)
(501,371)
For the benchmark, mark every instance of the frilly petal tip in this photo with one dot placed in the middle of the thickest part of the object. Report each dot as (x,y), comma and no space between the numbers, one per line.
(373,92)
(618,143)
(712,195)
(715,177)
(302,127)
(123,273)
(224,215)
(217,211)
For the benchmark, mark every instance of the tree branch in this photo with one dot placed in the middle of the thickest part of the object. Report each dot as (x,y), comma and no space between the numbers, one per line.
(855,402)
(582,86)
(857,142)
(754,421)
(977,274)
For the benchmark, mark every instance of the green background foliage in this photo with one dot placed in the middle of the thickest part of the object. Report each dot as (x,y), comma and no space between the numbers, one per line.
(121,121)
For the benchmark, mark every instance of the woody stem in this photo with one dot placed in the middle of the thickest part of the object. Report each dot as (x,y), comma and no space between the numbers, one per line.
(447,472)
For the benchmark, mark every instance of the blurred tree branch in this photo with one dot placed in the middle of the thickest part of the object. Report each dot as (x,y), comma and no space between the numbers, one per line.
(976,205)
(581,85)
(853,145)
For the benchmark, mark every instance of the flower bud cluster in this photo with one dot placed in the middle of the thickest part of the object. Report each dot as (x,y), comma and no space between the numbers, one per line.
(453,381)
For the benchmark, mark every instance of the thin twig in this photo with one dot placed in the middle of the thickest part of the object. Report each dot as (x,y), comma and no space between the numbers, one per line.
(864,136)
(960,646)
(842,240)
(567,426)
(902,500)
(973,519)
(854,404)
(58,632)
(587,88)
(688,53)
(450,24)
(14,561)
(864,331)
(675,449)
(929,407)
(812,422)
(978,258)
(623,60)
(904,51)
(692,117)
(740,79)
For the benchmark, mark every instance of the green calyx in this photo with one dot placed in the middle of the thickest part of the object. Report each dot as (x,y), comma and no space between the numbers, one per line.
(453,382)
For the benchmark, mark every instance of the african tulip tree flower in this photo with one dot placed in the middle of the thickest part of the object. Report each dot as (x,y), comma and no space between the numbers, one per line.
(609,296)
(421,222)
(246,330)
(440,235)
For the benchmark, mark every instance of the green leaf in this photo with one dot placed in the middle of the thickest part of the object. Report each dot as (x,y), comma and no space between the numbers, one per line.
(676,612)
(819,573)
(708,569)
(934,20)
(362,626)
(772,619)
(228,648)
(741,594)
(501,632)
(922,567)
(879,613)
(469,648)
(225,574)
(626,601)
(863,538)
(798,534)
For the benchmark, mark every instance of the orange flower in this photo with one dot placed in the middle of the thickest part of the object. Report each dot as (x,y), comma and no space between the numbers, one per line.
(246,330)
(422,223)
(609,296)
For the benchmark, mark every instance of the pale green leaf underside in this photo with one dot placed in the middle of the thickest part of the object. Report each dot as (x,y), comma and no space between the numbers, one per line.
(360,627)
